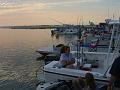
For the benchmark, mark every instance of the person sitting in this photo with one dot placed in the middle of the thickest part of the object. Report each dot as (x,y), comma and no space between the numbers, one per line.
(66,58)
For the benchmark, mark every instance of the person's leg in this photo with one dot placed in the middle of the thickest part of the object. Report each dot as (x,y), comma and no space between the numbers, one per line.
(70,66)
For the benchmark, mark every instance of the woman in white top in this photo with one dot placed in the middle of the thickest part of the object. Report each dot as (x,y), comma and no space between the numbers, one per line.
(66,58)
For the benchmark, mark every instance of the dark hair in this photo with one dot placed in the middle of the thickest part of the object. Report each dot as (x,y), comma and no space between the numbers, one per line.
(82,82)
(63,49)
(90,81)
(60,45)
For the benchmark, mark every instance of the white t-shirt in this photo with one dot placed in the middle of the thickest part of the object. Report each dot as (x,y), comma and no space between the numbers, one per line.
(67,57)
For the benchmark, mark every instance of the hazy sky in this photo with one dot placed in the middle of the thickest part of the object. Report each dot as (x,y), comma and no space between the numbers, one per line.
(32,12)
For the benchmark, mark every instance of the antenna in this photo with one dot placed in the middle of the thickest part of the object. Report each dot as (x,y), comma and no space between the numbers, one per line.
(77,20)
(118,14)
(108,14)
(78,42)
(82,20)
(113,16)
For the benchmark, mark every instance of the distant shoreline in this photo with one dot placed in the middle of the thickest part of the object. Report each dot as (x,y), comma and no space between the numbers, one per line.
(32,27)
(40,26)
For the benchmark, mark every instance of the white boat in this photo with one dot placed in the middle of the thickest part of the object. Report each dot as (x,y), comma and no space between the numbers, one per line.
(65,31)
(97,63)
(53,73)
(50,50)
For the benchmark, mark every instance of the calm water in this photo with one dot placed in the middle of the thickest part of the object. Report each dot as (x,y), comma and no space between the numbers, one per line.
(18,62)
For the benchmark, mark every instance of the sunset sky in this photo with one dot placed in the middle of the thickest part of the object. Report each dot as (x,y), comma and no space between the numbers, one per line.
(35,12)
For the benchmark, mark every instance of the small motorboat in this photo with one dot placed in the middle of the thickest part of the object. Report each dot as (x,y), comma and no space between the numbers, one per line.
(50,50)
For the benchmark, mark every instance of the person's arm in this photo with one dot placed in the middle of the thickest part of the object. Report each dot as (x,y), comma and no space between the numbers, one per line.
(66,62)
(111,81)
(70,62)
(63,60)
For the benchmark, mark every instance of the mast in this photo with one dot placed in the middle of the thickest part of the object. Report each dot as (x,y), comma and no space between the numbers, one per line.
(116,26)
(109,49)
(78,60)
(108,13)
(80,43)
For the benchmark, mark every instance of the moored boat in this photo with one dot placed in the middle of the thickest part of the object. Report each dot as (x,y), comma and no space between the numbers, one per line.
(97,63)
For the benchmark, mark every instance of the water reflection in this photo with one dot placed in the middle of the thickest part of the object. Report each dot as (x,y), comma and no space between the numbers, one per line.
(18,62)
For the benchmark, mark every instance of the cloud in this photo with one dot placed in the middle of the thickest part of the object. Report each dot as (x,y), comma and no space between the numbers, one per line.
(69,1)
(12,7)
(16,4)
(9,6)
(62,3)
